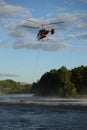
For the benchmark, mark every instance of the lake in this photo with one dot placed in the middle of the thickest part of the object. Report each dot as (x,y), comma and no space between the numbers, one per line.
(41,116)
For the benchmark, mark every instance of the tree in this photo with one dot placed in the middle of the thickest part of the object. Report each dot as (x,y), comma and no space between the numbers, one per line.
(66,87)
(56,82)
(79,78)
(48,83)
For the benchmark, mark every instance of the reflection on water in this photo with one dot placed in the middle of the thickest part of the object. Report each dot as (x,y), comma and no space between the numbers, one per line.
(42,117)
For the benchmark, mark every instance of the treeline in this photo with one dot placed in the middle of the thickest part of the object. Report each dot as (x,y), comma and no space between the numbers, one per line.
(62,82)
(10,86)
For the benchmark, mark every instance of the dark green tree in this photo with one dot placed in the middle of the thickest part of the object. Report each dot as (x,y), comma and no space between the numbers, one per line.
(48,83)
(79,78)
(66,87)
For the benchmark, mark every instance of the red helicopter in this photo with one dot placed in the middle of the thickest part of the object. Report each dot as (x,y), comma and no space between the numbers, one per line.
(43,32)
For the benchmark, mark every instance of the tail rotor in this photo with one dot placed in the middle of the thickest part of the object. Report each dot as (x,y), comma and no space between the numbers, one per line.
(52,31)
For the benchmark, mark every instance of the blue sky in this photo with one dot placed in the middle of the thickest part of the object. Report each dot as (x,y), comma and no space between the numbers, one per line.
(23,57)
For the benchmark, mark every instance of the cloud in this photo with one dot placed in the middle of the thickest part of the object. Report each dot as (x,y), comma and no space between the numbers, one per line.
(79,48)
(10,16)
(81,36)
(16,30)
(81,22)
(8,75)
(52,45)
(9,9)
(10,13)
(17,33)
(84,1)
(3,44)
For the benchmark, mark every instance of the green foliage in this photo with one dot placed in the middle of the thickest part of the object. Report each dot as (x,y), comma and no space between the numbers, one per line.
(61,82)
(26,88)
(47,85)
(79,78)
(10,86)
(64,81)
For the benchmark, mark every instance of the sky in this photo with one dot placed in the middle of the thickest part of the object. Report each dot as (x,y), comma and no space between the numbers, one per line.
(25,59)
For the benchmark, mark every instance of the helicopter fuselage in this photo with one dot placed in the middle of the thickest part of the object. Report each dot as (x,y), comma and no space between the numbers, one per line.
(43,33)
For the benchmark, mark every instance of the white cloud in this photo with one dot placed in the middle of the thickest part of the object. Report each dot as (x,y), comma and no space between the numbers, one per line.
(18,33)
(79,48)
(3,44)
(52,45)
(81,36)
(8,12)
(82,26)
(8,75)
(84,1)
(2,3)
(81,22)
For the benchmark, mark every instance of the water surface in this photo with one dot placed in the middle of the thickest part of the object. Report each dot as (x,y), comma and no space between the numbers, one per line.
(42,117)
(42,113)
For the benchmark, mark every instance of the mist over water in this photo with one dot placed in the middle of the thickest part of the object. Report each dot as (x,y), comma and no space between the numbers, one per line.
(30,98)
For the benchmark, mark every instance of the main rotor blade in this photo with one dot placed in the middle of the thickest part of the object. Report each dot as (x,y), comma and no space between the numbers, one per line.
(30,26)
(53,23)
(33,21)
(41,25)
(56,22)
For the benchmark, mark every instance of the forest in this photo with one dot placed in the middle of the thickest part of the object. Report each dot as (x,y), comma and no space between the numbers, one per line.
(62,83)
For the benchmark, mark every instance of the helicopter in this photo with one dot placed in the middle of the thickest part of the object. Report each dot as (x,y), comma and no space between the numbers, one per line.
(43,31)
